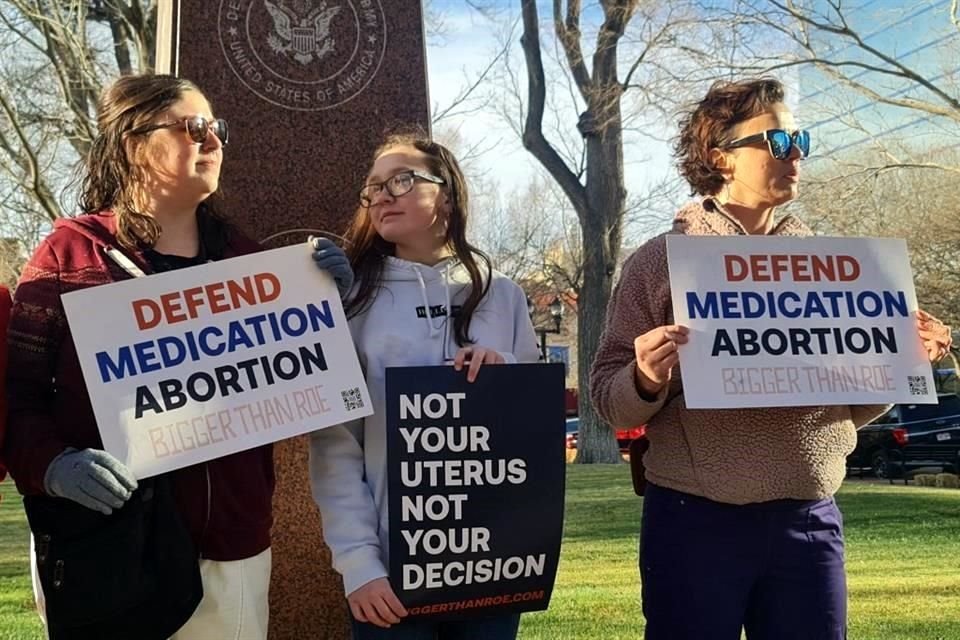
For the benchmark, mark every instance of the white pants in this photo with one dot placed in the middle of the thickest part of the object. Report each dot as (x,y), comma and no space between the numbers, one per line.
(234,605)
(35,579)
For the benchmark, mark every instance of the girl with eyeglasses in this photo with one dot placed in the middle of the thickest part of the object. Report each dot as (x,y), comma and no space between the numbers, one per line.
(739,528)
(148,184)
(423,296)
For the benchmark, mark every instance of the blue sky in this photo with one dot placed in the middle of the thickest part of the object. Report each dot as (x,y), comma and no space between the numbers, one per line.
(469,44)
(918,34)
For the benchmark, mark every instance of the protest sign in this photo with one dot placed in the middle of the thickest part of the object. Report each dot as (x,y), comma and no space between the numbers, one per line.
(785,321)
(194,364)
(476,485)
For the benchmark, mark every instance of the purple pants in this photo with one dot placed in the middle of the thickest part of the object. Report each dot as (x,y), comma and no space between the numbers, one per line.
(710,569)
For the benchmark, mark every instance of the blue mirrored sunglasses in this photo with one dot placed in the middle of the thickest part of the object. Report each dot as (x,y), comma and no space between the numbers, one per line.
(779,141)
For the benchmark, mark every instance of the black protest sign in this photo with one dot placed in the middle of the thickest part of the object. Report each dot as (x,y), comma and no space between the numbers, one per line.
(476,484)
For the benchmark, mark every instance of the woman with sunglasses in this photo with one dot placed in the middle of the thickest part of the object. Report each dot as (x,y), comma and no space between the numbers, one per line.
(424,296)
(739,527)
(146,207)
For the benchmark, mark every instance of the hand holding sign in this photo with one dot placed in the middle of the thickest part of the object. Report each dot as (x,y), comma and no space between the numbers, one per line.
(478,356)
(332,259)
(191,366)
(935,335)
(657,353)
(376,603)
(786,321)
(476,492)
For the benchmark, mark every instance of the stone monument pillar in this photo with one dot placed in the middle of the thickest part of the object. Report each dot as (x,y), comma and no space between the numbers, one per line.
(308,87)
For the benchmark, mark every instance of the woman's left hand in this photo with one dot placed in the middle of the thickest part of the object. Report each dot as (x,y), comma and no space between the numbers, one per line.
(477,356)
(936,336)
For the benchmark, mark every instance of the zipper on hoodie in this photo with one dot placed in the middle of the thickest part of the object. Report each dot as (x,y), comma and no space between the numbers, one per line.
(739,225)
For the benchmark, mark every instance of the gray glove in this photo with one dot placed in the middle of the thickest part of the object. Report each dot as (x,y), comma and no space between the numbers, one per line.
(334,261)
(91,477)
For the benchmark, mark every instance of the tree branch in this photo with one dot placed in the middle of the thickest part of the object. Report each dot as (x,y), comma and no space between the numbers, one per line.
(28,161)
(906,103)
(650,44)
(844,30)
(568,34)
(464,95)
(533,138)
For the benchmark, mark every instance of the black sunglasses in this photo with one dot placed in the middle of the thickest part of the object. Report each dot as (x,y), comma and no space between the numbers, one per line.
(779,141)
(196,127)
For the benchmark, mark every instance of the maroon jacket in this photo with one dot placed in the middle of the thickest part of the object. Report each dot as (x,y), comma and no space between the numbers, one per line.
(5,303)
(226,502)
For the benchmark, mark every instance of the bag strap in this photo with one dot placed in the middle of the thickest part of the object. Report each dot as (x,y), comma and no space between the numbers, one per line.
(125,263)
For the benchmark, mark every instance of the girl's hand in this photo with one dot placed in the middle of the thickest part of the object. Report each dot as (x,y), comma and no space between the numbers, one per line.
(936,336)
(477,356)
(376,603)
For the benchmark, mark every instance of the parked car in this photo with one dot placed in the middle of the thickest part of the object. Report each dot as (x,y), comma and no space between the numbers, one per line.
(928,433)
(624,436)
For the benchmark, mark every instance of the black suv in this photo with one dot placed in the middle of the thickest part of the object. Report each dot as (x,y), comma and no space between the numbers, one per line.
(909,437)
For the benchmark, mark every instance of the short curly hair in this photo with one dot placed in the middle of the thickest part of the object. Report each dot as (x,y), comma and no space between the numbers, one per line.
(709,123)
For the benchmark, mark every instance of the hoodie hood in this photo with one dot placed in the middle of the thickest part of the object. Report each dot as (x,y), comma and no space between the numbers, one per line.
(99,228)
(435,286)
(450,270)
(704,218)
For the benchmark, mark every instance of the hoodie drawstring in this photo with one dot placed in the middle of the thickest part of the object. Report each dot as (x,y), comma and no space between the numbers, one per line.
(434,330)
(449,319)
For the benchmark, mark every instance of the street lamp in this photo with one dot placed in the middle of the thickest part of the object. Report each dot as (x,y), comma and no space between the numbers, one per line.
(556,313)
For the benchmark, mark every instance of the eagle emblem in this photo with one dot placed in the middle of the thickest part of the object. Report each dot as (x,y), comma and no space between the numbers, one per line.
(301,37)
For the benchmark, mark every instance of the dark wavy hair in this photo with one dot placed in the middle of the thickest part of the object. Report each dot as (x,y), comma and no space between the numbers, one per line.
(110,176)
(367,250)
(709,124)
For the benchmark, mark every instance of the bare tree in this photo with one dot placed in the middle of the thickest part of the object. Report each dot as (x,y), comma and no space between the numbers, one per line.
(886,109)
(917,205)
(56,55)
(863,86)
(638,61)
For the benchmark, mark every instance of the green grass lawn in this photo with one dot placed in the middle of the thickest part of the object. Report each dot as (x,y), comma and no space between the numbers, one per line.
(18,620)
(903,560)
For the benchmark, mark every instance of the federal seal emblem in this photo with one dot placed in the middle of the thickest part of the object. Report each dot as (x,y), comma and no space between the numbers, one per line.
(306,55)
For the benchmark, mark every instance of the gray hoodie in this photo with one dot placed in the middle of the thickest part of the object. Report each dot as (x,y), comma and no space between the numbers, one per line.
(406,325)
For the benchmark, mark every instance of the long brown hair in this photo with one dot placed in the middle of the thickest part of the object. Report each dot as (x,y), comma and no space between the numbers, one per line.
(109,176)
(367,250)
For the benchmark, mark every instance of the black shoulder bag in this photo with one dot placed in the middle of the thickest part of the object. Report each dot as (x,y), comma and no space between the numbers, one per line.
(132,574)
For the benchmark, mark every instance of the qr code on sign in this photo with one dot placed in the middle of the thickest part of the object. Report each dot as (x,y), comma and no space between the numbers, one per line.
(352,400)
(918,385)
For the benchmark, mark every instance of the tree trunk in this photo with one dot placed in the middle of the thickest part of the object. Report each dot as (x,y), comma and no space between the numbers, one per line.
(602,128)
(601,242)
(595,443)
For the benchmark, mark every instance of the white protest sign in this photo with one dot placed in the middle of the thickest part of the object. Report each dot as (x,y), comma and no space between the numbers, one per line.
(194,364)
(785,321)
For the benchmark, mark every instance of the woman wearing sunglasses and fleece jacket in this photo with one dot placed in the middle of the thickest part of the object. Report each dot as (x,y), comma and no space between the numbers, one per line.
(739,529)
